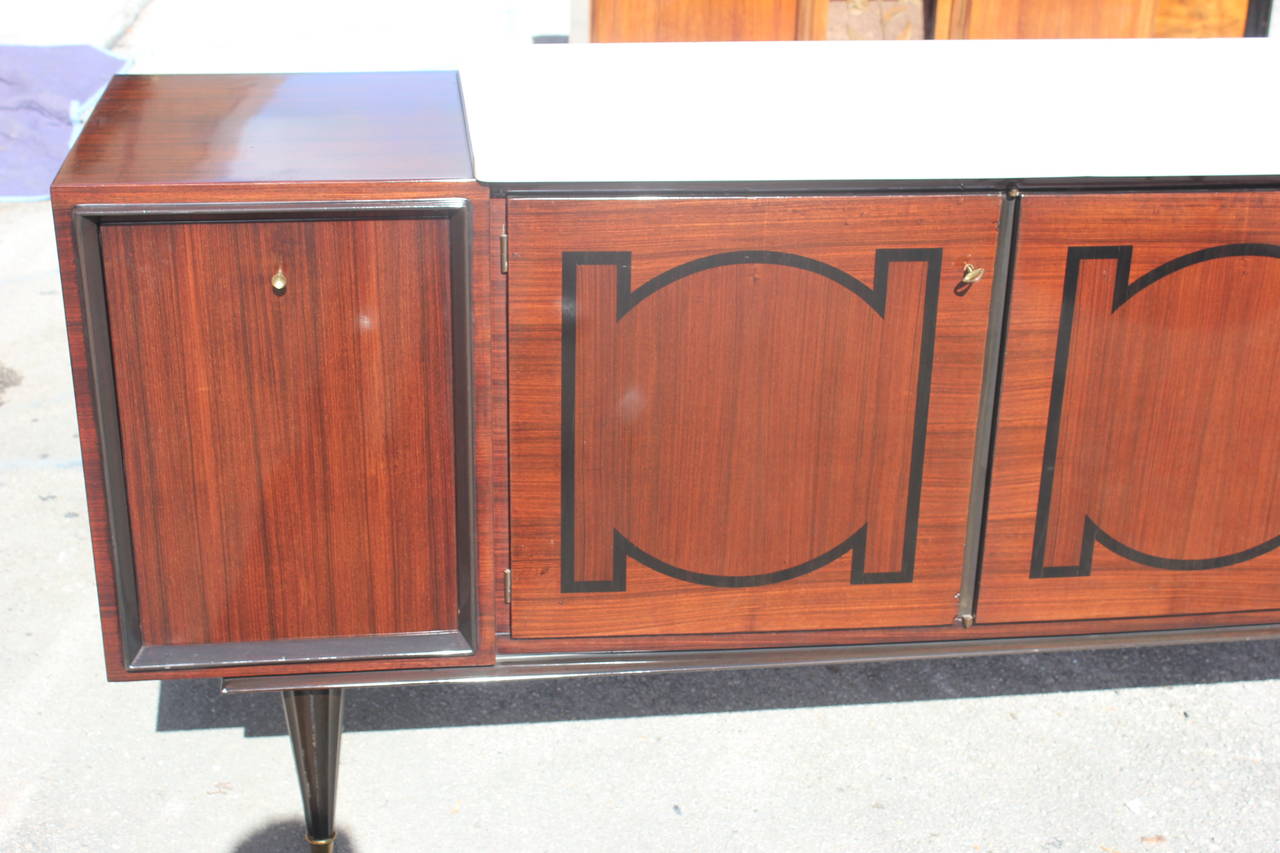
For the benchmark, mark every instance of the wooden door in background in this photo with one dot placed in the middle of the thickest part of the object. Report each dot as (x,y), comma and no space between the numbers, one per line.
(742,414)
(708,20)
(1006,19)
(1136,469)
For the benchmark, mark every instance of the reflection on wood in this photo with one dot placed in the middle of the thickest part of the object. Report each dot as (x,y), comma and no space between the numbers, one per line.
(289,457)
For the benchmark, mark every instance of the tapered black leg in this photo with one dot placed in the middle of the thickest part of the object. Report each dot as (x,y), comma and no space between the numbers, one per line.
(315,727)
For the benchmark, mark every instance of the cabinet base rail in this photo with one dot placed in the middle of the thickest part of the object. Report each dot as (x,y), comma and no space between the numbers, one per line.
(523,667)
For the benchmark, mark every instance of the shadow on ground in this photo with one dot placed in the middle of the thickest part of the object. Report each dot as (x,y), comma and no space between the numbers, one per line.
(186,705)
(286,835)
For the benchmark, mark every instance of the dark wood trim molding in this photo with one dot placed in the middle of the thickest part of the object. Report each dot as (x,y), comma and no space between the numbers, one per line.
(623,189)
(526,667)
(86,219)
(989,399)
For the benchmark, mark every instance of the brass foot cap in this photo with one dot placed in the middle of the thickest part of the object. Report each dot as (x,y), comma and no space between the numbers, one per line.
(320,843)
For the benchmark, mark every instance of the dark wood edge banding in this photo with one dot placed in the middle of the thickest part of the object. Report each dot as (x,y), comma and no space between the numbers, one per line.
(197,655)
(523,667)
(93,306)
(138,656)
(988,405)
(625,189)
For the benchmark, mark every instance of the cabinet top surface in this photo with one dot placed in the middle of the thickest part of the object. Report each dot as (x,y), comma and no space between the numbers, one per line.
(727,112)
(184,129)
(855,111)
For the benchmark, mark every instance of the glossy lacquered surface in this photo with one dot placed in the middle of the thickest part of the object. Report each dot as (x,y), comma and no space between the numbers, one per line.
(487,434)
(1137,458)
(742,414)
(289,455)
(325,141)
(185,129)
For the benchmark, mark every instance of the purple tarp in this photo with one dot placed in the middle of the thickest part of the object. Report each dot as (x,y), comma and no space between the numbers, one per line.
(45,93)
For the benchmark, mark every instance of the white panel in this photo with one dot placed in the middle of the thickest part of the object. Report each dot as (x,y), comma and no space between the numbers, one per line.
(793,111)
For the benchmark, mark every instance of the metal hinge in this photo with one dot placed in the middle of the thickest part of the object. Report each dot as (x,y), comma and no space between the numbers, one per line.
(506,255)
(506,586)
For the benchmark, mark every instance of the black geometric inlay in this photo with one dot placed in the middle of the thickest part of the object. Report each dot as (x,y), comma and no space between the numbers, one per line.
(627,299)
(624,549)
(1125,290)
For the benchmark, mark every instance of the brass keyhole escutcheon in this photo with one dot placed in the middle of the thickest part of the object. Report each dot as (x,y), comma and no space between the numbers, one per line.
(279,282)
(967,278)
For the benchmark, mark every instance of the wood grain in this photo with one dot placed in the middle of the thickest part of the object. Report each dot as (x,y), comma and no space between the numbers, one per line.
(1200,18)
(746,419)
(65,197)
(920,634)
(1008,19)
(501,500)
(184,129)
(1163,438)
(289,457)
(707,20)
(996,19)
(811,19)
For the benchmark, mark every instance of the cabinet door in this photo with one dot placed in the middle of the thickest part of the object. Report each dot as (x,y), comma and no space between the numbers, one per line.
(294,477)
(742,414)
(1136,468)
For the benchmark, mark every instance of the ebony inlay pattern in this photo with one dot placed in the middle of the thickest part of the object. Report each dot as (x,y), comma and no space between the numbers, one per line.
(1121,257)
(624,550)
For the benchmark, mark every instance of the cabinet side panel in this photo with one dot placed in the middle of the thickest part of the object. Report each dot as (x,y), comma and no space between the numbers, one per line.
(288,456)
(115,645)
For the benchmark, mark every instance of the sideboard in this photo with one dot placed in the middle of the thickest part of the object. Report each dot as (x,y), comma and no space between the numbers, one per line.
(354,413)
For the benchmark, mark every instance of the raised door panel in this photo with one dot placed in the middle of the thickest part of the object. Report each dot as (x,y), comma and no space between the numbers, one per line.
(742,414)
(1136,469)
(289,456)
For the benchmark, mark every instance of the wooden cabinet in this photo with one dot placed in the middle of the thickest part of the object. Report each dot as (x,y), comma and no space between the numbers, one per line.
(1137,463)
(335,423)
(743,414)
(283,368)
(735,418)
